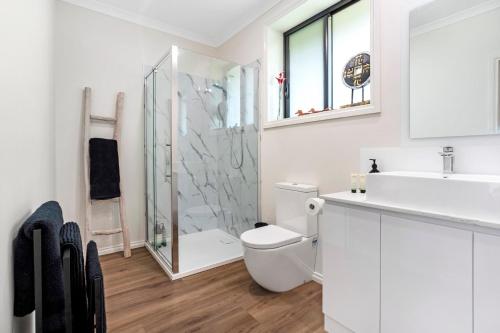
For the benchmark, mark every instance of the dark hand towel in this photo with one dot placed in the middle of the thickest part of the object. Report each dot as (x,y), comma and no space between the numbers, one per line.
(104,169)
(72,240)
(95,277)
(49,219)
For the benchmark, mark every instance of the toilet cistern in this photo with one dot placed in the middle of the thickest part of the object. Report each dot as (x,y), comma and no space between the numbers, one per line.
(448,160)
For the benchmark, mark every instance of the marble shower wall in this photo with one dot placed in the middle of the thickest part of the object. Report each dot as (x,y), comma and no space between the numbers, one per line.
(218,166)
(238,157)
(197,154)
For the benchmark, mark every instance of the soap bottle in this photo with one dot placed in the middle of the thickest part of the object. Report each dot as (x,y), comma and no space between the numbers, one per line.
(374,166)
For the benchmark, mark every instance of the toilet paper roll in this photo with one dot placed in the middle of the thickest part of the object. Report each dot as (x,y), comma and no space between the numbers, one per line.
(314,206)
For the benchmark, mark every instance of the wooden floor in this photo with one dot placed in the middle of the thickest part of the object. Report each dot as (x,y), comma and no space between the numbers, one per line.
(141,298)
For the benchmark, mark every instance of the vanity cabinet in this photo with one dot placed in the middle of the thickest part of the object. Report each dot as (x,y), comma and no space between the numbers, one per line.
(351,269)
(426,277)
(486,283)
(394,270)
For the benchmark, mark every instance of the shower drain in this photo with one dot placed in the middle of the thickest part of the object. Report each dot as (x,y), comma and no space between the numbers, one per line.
(226,241)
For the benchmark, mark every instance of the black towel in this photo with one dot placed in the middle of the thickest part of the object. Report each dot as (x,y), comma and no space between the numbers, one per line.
(104,169)
(49,219)
(95,278)
(72,240)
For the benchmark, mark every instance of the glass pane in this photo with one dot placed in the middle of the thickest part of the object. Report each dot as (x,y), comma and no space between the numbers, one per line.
(163,167)
(250,96)
(233,97)
(216,158)
(248,173)
(306,73)
(150,181)
(350,31)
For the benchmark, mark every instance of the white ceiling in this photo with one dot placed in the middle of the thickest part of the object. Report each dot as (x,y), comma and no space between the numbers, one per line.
(209,22)
(440,9)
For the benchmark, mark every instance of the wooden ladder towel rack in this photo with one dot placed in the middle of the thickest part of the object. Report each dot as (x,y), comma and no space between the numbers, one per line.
(116,122)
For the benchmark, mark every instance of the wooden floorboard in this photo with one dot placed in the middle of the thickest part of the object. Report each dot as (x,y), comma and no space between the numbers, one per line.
(141,298)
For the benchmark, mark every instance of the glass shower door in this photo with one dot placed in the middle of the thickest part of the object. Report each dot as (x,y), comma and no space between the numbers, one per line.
(149,156)
(158,156)
(163,158)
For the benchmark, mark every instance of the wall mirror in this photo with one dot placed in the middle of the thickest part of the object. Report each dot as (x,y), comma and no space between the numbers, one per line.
(455,68)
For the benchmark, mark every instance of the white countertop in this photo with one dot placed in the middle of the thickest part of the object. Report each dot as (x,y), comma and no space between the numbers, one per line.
(359,199)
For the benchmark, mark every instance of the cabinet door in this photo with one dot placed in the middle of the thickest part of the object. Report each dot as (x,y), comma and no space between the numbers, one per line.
(351,268)
(486,283)
(426,277)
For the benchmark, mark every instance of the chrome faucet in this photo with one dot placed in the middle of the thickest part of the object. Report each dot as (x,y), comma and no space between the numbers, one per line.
(448,160)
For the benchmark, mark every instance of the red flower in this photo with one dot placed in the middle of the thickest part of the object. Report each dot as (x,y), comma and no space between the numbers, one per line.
(281,78)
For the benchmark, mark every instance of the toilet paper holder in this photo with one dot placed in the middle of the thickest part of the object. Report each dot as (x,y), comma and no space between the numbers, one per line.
(314,206)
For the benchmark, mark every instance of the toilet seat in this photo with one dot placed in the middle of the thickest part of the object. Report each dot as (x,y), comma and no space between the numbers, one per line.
(269,237)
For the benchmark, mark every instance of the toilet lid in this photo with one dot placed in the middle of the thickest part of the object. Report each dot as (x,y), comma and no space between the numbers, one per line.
(269,237)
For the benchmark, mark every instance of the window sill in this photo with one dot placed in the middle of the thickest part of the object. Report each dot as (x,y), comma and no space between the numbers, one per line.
(327,115)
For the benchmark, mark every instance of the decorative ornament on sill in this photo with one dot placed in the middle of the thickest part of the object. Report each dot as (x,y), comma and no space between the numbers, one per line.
(356,75)
(311,111)
(281,92)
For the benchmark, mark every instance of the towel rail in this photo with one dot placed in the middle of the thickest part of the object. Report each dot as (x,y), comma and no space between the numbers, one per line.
(37,265)
(99,308)
(38,277)
(68,307)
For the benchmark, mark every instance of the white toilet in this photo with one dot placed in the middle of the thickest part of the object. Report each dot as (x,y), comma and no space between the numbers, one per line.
(281,257)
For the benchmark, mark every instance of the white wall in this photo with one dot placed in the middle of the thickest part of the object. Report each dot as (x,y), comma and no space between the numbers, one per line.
(322,153)
(109,55)
(26,131)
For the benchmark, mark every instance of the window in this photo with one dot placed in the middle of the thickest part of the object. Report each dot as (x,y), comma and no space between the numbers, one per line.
(317,53)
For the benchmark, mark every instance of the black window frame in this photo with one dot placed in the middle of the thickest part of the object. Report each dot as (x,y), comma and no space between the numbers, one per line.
(324,15)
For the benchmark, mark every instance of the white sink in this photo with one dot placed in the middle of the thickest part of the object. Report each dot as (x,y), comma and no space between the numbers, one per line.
(466,196)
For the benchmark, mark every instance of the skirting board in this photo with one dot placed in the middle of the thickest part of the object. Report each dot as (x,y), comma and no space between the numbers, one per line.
(119,247)
(333,326)
(317,277)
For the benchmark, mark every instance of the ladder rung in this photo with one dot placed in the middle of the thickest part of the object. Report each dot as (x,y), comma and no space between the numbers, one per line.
(117,199)
(107,232)
(102,118)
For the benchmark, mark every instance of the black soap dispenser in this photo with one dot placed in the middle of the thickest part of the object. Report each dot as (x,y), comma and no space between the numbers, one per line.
(374,166)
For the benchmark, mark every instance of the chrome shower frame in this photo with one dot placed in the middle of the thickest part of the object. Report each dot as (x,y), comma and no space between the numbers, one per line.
(174,209)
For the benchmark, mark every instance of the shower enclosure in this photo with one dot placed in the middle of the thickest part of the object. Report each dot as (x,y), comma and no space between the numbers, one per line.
(201,152)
